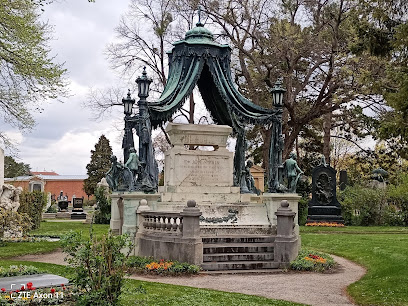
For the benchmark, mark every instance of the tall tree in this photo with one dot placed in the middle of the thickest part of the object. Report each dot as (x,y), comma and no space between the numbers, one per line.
(306,42)
(28,74)
(98,166)
(14,169)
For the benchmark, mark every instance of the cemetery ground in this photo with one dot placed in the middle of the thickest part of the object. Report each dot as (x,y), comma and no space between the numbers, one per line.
(381,250)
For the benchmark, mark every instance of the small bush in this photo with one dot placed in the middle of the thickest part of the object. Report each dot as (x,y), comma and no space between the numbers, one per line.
(103,210)
(18,270)
(308,260)
(13,224)
(99,266)
(33,203)
(52,209)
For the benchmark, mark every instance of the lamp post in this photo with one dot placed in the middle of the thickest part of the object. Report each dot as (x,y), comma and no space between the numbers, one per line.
(127,142)
(277,140)
(143,84)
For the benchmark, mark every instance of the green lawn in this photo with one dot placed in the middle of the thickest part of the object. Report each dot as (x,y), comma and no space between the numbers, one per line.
(155,293)
(53,229)
(382,250)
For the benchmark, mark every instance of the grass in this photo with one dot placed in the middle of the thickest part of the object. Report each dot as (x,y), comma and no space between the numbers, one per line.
(49,228)
(382,250)
(163,294)
(154,292)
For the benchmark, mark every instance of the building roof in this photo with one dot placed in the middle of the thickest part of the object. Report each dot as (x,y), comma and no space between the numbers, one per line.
(44,173)
(47,178)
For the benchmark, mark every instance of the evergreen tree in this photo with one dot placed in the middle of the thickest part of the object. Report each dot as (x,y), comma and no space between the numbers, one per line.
(14,169)
(99,164)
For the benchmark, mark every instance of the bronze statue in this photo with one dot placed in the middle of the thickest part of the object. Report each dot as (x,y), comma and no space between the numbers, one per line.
(292,172)
(133,163)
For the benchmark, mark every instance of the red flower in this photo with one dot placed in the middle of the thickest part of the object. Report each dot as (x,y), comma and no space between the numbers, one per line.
(63,288)
(3,289)
(17,291)
(32,288)
(62,285)
(29,284)
(52,290)
(22,288)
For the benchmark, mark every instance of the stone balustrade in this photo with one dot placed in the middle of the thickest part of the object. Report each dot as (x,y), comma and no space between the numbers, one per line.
(164,222)
(171,235)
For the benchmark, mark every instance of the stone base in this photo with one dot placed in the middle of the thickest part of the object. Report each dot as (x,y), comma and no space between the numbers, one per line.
(49,215)
(324,214)
(78,216)
(63,215)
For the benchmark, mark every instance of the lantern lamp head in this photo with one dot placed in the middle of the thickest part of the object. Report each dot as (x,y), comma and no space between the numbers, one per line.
(277,93)
(143,84)
(128,104)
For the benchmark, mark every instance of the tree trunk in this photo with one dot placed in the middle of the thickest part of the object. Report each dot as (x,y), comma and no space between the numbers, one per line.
(266,134)
(326,136)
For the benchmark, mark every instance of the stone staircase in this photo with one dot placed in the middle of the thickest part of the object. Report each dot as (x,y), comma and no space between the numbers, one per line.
(238,252)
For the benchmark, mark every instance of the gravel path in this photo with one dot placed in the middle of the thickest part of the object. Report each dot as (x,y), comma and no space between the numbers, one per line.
(306,288)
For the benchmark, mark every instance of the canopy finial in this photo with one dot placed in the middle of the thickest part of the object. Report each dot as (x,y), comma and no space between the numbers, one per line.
(199,16)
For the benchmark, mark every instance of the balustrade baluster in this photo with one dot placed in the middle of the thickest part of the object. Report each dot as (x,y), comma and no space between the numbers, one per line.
(174,225)
(168,224)
(181,224)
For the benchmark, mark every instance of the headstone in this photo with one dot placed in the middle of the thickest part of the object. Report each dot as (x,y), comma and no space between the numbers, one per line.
(62,202)
(77,208)
(343,179)
(324,206)
(38,281)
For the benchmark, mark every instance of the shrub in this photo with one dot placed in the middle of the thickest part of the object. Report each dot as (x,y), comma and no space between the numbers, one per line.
(398,200)
(363,205)
(103,210)
(13,223)
(99,266)
(308,260)
(33,203)
(14,270)
(52,209)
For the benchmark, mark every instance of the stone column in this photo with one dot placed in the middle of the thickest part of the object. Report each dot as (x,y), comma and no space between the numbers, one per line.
(116,222)
(286,242)
(192,242)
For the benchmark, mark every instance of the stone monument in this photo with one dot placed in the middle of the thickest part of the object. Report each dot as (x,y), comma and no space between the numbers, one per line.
(324,206)
(223,205)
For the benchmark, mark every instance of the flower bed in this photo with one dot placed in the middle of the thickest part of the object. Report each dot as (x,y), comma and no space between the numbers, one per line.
(29,295)
(137,264)
(325,224)
(308,260)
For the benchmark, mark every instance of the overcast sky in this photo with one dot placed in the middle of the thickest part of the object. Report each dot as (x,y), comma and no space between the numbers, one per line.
(65,132)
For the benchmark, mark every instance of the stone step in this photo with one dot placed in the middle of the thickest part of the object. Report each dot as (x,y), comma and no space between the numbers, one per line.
(239,265)
(257,271)
(213,248)
(238,239)
(220,257)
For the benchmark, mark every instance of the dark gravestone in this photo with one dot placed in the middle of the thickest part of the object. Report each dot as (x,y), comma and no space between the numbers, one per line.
(77,211)
(343,179)
(324,206)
